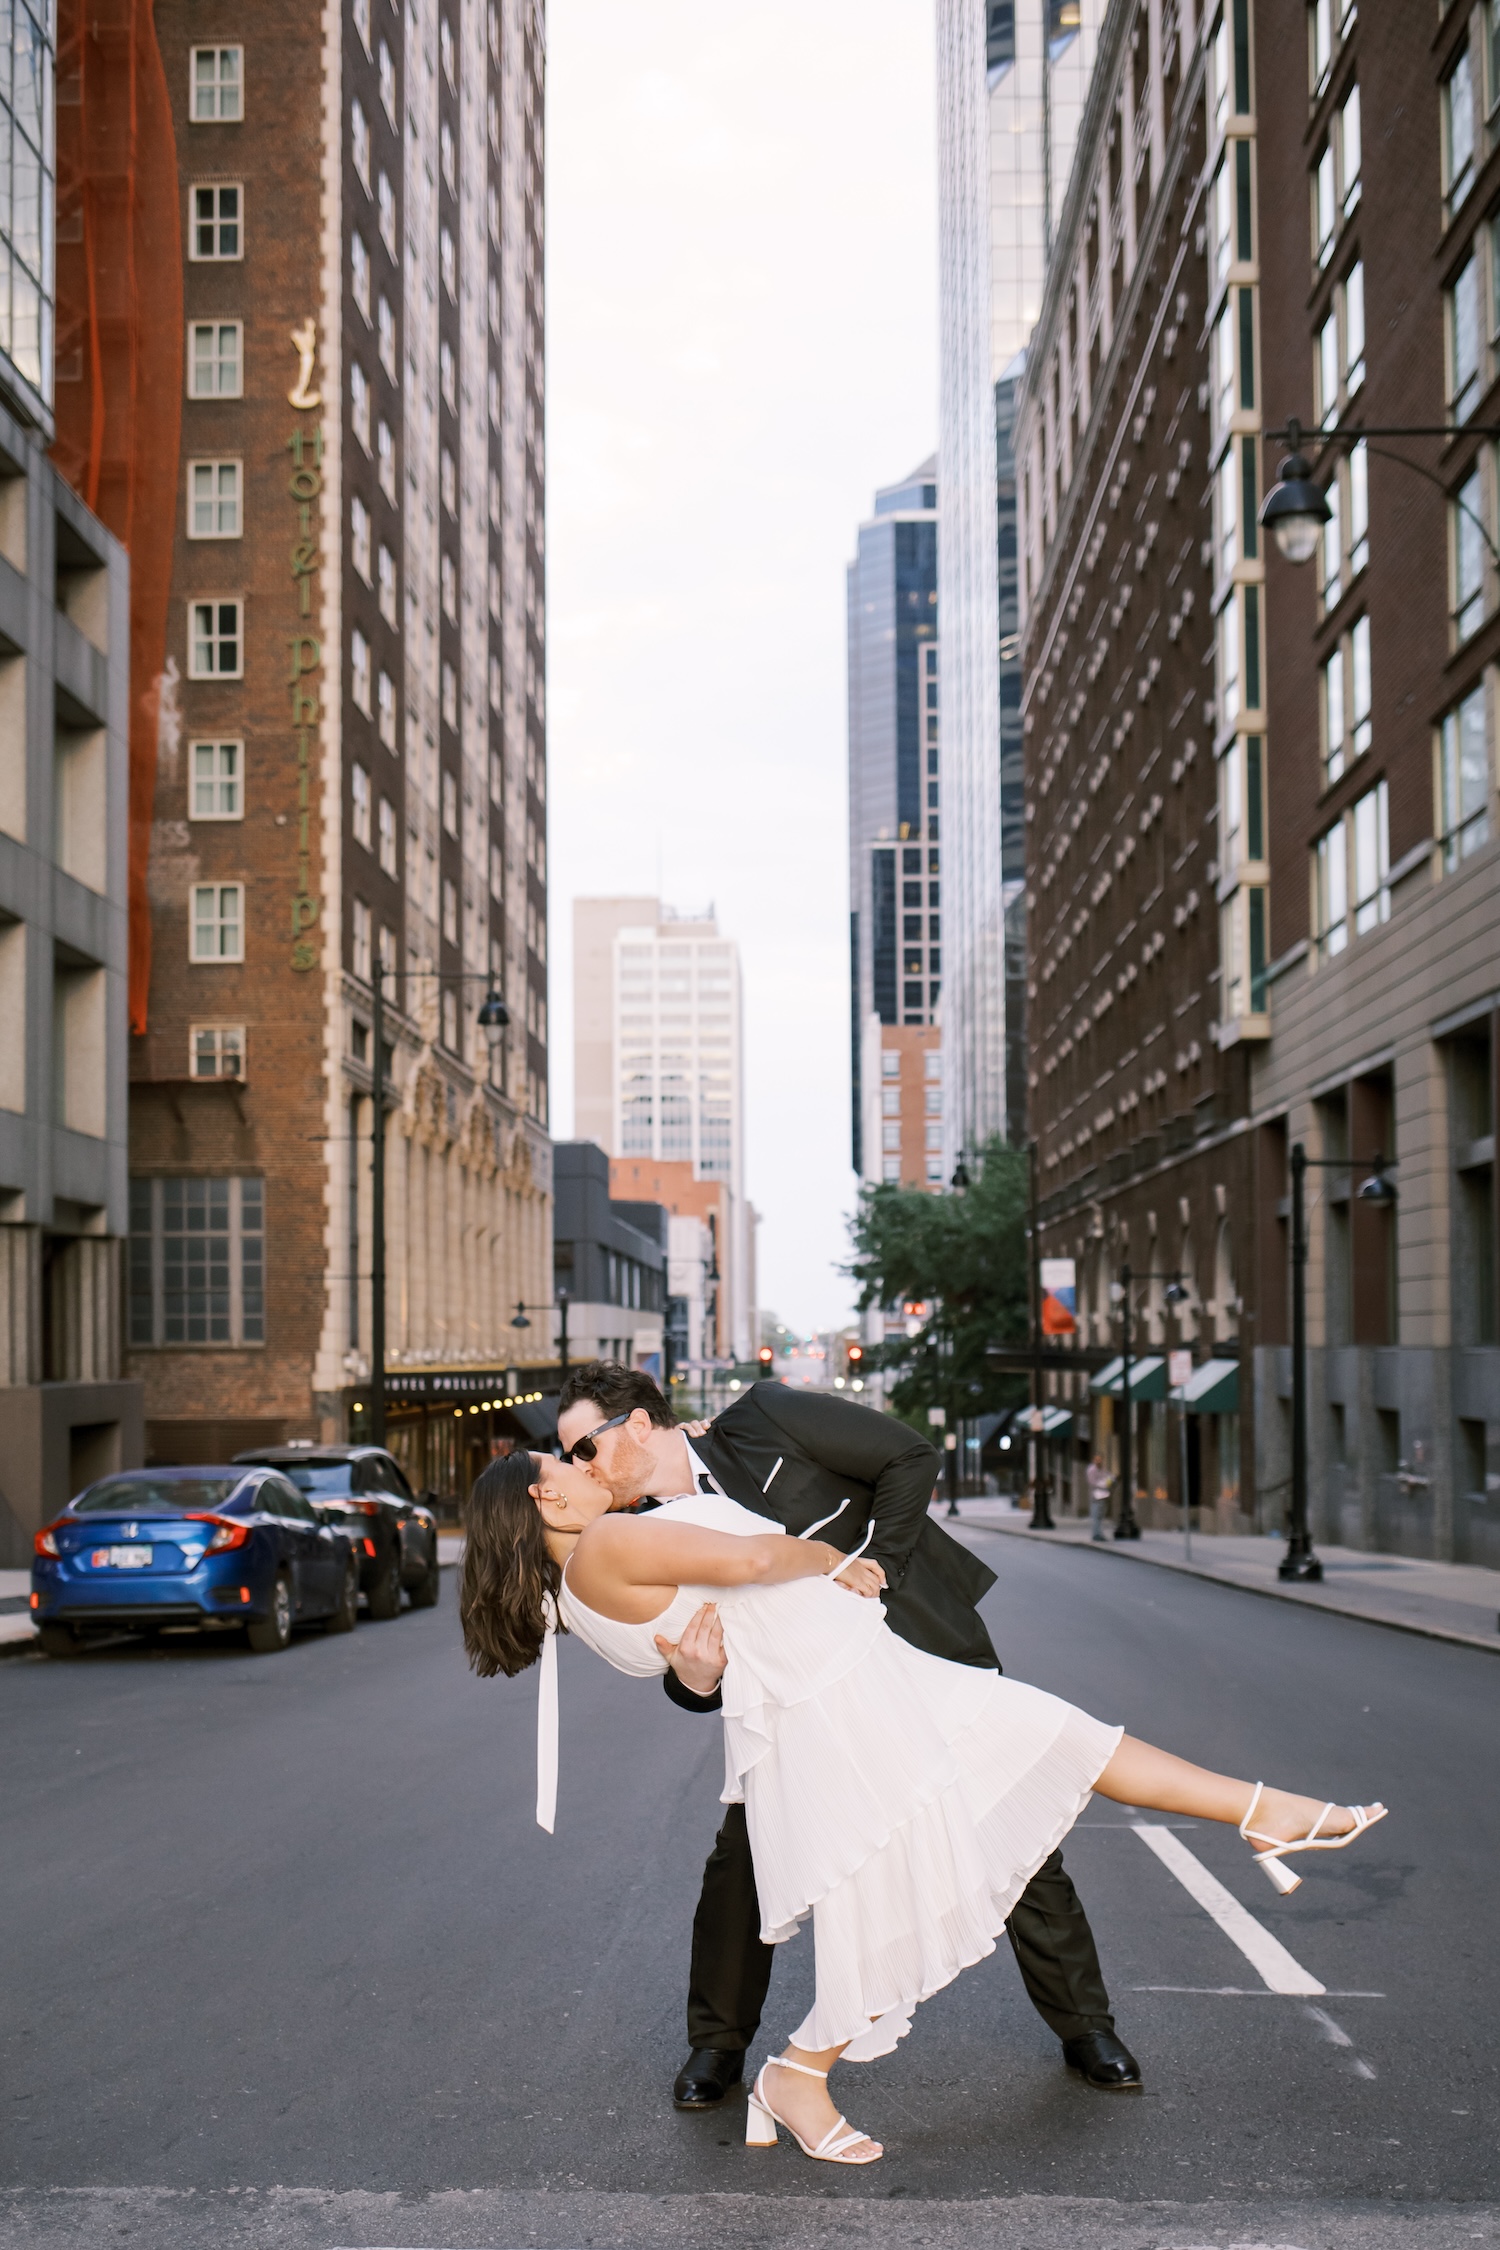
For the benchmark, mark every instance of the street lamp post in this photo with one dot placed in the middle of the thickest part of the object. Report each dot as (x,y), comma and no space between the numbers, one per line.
(493,1018)
(1296,508)
(1127,1526)
(1299,1563)
(519,1320)
(1041,1482)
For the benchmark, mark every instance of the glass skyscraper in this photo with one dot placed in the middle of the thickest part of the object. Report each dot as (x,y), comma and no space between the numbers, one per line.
(1012,80)
(895,958)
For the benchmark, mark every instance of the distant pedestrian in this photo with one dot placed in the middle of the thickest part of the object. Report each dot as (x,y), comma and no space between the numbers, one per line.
(1100,1482)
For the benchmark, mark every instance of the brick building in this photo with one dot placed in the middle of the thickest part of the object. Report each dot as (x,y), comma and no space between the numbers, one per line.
(1378,263)
(338,748)
(1138,1046)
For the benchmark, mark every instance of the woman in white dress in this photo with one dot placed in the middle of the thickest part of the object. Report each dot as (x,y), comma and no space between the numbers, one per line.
(902,1801)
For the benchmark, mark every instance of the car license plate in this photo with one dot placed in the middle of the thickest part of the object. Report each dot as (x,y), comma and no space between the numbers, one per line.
(121,1558)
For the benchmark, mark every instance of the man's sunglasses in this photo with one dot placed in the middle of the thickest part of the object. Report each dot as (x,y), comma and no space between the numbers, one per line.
(584,1449)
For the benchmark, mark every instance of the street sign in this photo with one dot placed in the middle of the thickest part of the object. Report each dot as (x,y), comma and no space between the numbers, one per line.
(1179,1369)
(937,1416)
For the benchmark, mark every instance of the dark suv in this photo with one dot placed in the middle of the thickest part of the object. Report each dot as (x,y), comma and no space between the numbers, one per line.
(360,1489)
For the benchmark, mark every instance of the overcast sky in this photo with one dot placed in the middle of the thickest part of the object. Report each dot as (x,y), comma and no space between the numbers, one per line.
(741,344)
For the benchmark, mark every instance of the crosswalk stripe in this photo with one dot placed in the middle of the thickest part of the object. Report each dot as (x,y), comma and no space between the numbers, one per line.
(1266,1954)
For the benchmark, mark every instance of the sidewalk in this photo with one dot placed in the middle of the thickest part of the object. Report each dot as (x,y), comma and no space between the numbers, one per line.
(1445,1601)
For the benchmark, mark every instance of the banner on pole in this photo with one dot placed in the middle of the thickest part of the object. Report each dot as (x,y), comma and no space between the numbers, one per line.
(1059,1297)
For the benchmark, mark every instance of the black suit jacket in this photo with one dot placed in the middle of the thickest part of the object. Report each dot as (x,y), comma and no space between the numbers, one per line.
(796,1455)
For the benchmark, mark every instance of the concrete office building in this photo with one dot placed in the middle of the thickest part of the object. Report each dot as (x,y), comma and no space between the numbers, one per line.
(658,1077)
(895,933)
(1012,79)
(318,361)
(609,1259)
(67,1415)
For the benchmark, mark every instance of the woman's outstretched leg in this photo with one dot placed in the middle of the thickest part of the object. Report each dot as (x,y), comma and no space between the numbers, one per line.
(1138,1774)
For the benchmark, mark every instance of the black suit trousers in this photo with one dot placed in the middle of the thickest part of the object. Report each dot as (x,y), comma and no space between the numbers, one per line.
(731,1973)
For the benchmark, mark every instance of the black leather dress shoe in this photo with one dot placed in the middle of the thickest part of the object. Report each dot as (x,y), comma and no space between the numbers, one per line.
(1103,2061)
(707,2075)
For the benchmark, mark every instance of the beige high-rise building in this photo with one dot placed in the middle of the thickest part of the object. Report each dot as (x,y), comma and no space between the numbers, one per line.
(658,1045)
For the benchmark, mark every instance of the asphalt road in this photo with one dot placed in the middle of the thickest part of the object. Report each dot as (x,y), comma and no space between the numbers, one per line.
(290,1963)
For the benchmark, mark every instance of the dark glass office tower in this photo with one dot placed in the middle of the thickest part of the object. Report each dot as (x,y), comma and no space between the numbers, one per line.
(895,956)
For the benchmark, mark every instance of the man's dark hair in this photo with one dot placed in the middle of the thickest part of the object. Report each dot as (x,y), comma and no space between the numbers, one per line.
(615,1390)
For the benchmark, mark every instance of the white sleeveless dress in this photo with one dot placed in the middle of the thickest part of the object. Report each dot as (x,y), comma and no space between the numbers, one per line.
(903,1801)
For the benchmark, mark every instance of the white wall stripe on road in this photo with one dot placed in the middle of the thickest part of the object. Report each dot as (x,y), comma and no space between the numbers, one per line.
(1266,1954)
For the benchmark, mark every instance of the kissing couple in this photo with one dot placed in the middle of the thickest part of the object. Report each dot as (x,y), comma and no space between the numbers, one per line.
(883,1777)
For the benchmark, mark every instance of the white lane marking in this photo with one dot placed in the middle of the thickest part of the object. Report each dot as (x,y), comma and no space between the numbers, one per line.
(1265,1954)
(1243,1992)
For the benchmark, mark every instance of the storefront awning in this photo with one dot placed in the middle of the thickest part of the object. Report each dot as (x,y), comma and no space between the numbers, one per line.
(1213,1388)
(1056,1420)
(1148,1378)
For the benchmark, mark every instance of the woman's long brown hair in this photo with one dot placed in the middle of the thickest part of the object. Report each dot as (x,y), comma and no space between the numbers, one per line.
(508,1570)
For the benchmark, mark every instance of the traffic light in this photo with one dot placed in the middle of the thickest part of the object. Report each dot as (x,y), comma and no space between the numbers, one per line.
(855,1355)
(766,1359)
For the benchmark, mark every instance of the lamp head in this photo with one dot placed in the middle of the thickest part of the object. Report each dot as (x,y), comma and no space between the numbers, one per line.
(518,1319)
(494,1018)
(1295,510)
(1175,1293)
(1377,1188)
(960,1179)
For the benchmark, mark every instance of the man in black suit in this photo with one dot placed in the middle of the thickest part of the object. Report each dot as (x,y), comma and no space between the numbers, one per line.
(805,1458)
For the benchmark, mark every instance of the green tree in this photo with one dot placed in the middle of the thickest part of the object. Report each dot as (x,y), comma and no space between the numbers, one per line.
(963,1255)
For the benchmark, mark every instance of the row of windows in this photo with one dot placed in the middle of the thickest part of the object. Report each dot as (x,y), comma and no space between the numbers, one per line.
(890,1171)
(890,1101)
(216,651)
(932,1063)
(197,1261)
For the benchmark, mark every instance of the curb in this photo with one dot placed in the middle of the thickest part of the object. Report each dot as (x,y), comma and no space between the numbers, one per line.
(1122,1551)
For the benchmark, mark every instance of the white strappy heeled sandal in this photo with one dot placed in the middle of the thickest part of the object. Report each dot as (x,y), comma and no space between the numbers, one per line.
(1273,1858)
(833,2148)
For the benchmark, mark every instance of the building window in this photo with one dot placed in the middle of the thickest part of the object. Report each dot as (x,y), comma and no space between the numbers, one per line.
(448,581)
(385,455)
(1331,892)
(450,1019)
(447,261)
(1340,365)
(890,1135)
(1370,830)
(359,670)
(217,233)
(1336,179)
(1463,342)
(1458,132)
(385,201)
(360,940)
(890,1171)
(1329,23)
(386,337)
(387,836)
(359,141)
(1345,700)
(1345,548)
(218,777)
(448,481)
(215,642)
(450,913)
(359,537)
(359,790)
(890,1101)
(217,928)
(218,83)
(387,82)
(197,1262)
(1242,939)
(449,679)
(361,13)
(215,359)
(1464,779)
(387,578)
(448,375)
(359,273)
(385,705)
(214,499)
(359,403)
(1467,547)
(216,1050)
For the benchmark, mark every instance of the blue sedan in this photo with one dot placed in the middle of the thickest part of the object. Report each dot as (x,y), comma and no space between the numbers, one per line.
(221,1549)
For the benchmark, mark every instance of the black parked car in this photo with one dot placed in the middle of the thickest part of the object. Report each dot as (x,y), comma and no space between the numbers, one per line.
(360,1489)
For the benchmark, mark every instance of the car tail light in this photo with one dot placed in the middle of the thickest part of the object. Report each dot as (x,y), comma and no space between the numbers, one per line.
(44,1542)
(227,1533)
(369,1548)
(368,1507)
(36,1601)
